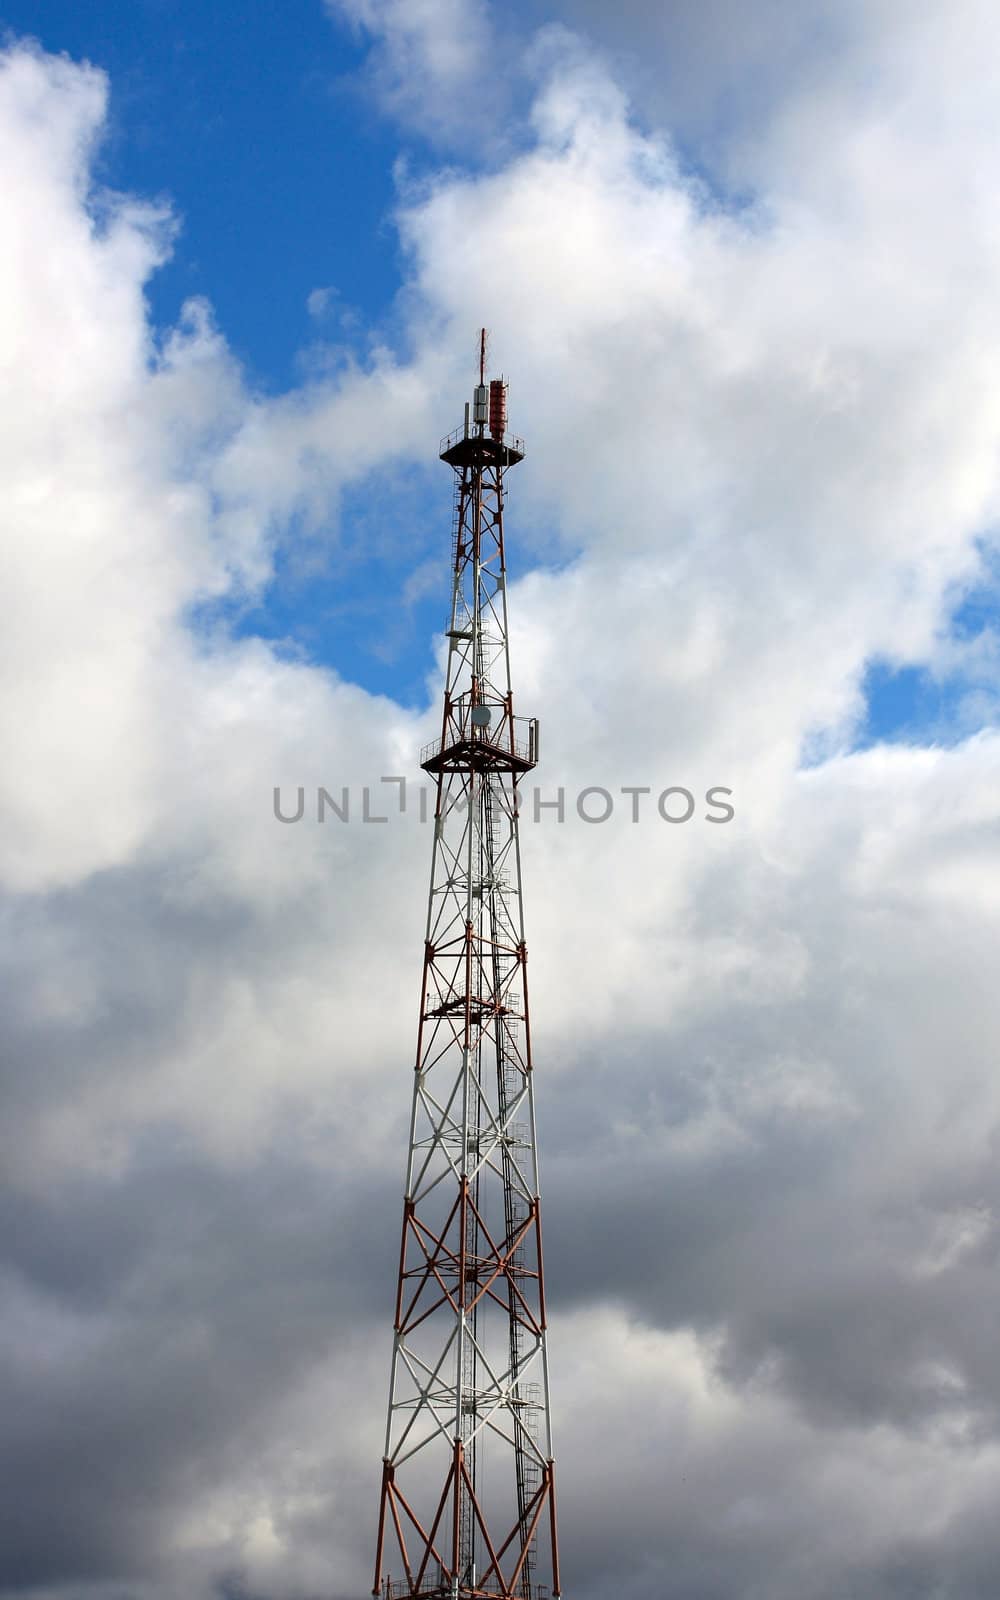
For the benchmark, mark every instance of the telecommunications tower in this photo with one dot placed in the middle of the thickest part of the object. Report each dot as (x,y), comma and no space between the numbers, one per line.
(468,1507)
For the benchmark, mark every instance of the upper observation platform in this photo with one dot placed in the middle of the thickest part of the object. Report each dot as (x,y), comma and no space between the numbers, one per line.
(461,449)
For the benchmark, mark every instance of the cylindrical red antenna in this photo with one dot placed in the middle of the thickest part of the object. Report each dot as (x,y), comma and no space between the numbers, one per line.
(498,408)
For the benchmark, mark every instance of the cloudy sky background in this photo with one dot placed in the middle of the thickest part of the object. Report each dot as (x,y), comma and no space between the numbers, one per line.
(741,266)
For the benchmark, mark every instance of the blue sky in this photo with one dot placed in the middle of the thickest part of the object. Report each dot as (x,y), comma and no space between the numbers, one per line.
(249,119)
(251,122)
(256,124)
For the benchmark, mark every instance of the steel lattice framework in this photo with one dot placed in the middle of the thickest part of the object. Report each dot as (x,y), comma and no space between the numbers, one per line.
(468,1492)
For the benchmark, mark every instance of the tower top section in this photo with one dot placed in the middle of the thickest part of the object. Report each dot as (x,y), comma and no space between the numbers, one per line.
(483,437)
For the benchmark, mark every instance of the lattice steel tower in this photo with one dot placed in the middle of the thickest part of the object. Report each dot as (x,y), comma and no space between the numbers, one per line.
(468,1493)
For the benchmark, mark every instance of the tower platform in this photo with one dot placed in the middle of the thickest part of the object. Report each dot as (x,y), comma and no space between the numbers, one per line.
(477,755)
(461,449)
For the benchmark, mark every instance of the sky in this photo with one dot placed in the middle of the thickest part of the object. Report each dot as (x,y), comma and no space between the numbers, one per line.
(740,266)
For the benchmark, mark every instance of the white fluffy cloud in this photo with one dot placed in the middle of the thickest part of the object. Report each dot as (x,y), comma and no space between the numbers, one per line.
(762,449)
(431,62)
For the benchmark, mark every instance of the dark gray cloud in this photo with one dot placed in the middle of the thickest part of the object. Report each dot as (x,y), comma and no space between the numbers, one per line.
(157,1323)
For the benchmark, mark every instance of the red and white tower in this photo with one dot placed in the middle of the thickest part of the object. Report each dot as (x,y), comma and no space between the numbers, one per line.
(468,1491)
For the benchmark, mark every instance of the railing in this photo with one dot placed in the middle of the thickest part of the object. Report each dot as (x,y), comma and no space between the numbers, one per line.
(467,732)
(511,441)
(432,1589)
(522,749)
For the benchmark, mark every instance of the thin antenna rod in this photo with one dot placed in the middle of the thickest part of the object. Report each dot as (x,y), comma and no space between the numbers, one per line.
(482,355)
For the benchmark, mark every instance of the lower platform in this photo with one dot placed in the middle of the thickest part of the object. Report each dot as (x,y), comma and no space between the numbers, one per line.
(477,755)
